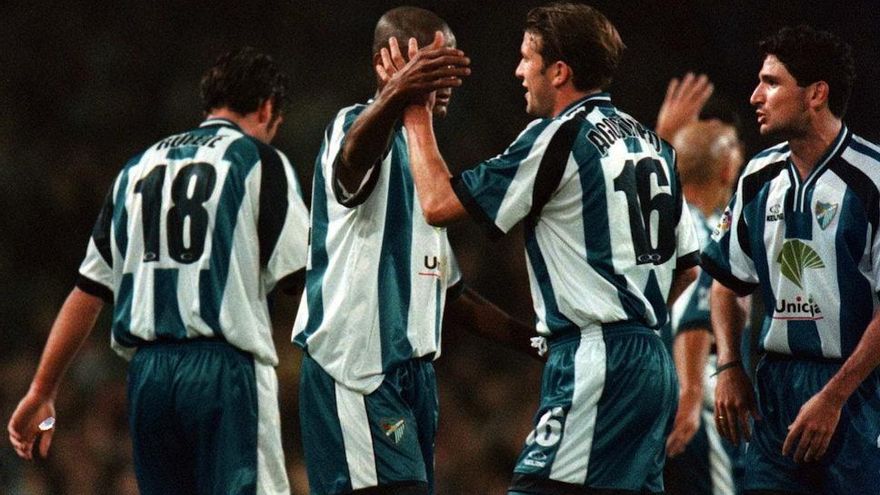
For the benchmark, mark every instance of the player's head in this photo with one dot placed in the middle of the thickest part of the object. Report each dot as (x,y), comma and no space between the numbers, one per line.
(245,81)
(709,155)
(404,23)
(805,71)
(566,43)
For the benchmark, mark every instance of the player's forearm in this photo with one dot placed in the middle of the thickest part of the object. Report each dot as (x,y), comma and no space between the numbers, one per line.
(439,203)
(691,351)
(368,139)
(484,319)
(728,320)
(864,359)
(72,326)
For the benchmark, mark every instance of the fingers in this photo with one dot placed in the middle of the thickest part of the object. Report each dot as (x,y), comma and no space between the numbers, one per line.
(396,56)
(439,40)
(671,89)
(383,74)
(46,442)
(386,61)
(413,48)
(808,444)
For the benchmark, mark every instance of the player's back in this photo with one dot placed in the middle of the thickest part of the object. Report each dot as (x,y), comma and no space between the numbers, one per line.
(611,236)
(190,235)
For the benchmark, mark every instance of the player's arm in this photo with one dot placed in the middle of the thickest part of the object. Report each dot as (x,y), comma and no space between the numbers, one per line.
(474,313)
(684,100)
(72,326)
(817,419)
(368,139)
(680,281)
(734,396)
(690,351)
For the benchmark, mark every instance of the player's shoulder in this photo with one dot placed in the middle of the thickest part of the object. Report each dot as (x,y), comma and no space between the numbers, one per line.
(770,157)
(863,151)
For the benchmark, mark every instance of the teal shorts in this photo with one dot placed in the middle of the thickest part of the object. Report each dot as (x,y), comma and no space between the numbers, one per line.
(850,466)
(354,441)
(608,399)
(204,420)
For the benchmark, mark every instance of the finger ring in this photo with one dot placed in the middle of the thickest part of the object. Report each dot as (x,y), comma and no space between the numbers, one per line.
(719,417)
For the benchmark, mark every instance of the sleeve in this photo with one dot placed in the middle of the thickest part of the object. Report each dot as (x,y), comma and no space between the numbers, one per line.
(331,159)
(498,193)
(283,221)
(96,271)
(727,258)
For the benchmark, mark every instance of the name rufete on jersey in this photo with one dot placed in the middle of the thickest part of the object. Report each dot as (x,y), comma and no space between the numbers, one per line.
(795,258)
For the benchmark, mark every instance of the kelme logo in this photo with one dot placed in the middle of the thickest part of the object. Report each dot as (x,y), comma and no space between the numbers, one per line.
(795,257)
(393,428)
(825,213)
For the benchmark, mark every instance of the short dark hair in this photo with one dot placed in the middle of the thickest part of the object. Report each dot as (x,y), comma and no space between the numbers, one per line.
(580,36)
(242,80)
(407,22)
(811,55)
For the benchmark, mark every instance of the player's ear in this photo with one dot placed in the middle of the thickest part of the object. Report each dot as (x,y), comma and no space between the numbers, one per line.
(560,73)
(817,94)
(264,111)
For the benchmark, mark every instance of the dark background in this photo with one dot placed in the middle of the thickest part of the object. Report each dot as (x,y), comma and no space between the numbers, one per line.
(85,85)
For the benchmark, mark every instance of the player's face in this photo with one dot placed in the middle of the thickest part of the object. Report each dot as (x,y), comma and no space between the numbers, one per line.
(780,104)
(444,95)
(539,90)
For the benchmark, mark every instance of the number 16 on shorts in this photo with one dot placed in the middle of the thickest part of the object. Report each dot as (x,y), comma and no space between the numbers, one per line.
(541,442)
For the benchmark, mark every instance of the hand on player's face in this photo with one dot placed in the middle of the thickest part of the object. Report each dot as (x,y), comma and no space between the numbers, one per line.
(429,75)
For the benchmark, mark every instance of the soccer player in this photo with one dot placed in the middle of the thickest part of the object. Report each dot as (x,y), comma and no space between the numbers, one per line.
(802,226)
(376,285)
(608,242)
(195,233)
(709,158)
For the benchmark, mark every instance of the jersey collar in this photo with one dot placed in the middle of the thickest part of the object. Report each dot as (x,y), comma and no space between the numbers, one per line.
(591,99)
(218,122)
(836,148)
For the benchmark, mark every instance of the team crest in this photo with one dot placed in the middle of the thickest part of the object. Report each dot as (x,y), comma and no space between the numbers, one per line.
(393,428)
(795,257)
(825,213)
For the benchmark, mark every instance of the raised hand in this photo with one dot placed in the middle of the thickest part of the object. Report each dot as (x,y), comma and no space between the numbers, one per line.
(429,69)
(683,102)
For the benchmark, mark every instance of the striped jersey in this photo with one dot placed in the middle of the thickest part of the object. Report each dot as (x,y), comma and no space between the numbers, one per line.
(377,273)
(691,309)
(810,244)
(194,234)
(604,223)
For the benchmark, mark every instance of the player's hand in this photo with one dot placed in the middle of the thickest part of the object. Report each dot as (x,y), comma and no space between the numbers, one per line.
(687,422)
(812,429)
(429,69)
(683,102)
(734,403)
(24,425)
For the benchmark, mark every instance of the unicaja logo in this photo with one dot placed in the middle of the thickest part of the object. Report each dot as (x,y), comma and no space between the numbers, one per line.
(799,309)
(795,257)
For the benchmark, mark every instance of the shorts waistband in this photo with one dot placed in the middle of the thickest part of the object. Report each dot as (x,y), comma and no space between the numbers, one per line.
(184,344)
(615,329)
(778,357)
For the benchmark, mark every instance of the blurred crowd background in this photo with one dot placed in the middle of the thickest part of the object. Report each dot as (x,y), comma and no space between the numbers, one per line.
(84,85)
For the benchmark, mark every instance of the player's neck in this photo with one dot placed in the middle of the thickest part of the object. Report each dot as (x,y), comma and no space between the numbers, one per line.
(808,148)
(567,95)
(249,123)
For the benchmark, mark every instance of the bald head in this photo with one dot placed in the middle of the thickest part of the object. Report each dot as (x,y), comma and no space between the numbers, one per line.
(709,153)
(404,23)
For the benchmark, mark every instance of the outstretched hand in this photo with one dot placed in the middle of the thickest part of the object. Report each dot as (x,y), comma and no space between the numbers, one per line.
(683,102)
(24,425)
(429,69)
